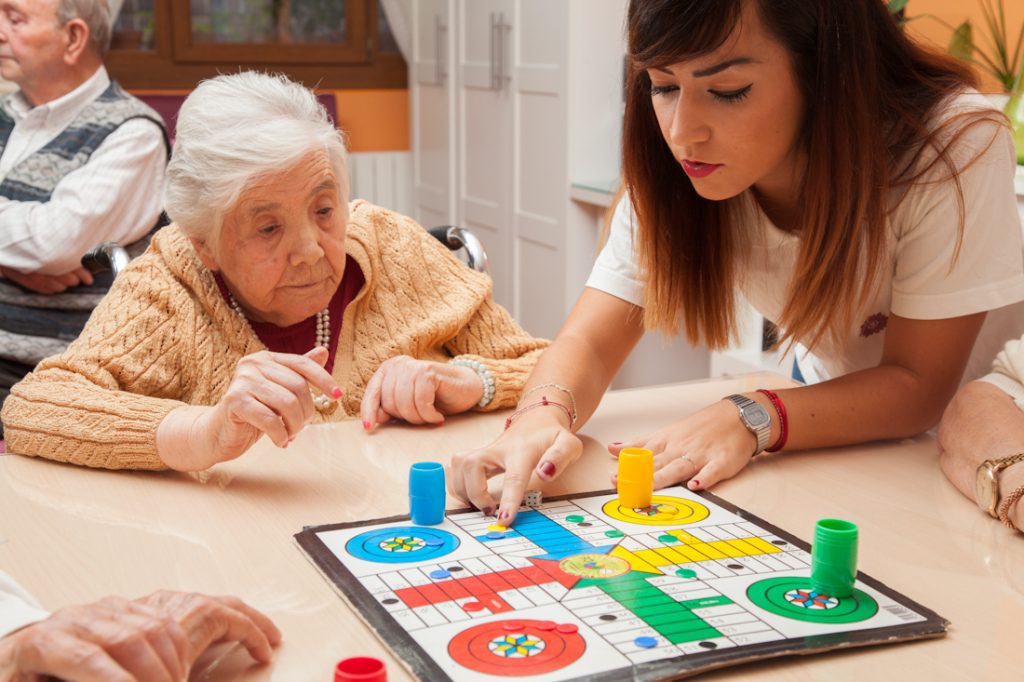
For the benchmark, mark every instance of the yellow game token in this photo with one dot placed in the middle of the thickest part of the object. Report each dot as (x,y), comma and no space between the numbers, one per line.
(496,528)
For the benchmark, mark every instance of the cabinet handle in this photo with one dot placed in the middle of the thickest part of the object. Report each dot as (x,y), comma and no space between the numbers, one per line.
(503,30)
(495,67)
(440,30)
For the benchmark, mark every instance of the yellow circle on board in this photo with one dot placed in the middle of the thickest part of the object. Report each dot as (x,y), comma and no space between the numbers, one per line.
(594,566)
(664,511)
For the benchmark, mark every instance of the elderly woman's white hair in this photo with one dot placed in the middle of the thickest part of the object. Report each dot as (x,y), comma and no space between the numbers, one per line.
(98,15)
(233,129)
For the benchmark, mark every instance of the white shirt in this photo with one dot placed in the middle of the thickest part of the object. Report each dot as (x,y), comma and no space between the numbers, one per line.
(115,196)
(17,607)
(917,279)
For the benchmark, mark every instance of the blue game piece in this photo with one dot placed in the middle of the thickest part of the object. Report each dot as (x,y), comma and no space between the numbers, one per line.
(434,542)
(440,574)
(494,535)
(426,493)
(645,642)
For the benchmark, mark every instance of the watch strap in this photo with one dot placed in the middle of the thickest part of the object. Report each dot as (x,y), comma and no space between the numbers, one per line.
(1004,507)
(763,432)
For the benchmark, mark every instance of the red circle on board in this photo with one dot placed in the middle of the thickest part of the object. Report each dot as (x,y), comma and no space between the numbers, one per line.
(471,649)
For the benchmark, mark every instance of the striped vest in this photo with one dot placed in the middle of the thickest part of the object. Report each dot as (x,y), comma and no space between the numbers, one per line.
(34,326)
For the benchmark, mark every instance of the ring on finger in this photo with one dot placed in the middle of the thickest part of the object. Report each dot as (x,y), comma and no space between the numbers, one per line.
(692,464)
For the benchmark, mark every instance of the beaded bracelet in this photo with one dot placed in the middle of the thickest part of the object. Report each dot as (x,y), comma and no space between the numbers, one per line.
(486,378)
(544,402)
(780,409)
(1004,508)
(574,415)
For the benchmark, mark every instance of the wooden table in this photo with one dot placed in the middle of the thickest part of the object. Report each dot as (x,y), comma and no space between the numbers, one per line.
(74,535)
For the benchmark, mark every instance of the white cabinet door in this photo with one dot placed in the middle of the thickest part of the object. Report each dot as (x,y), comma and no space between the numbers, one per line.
(484,144)
(540,157)
(433,109)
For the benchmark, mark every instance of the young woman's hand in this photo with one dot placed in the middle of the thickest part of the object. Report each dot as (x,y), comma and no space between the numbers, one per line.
(269,394)
(703,448)
(535,449)
(418,391)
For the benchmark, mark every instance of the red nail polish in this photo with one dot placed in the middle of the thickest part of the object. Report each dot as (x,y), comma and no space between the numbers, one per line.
(366,425)
(502,515)
(546,469)
(696,482)
(488,511)
(337,393)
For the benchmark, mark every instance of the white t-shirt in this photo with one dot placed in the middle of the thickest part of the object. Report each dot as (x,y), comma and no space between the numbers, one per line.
(17,607)
(918,279)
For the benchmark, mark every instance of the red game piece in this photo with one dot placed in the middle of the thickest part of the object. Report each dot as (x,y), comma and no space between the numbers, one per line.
(513,626)
(546,625)
(567,628)
(361,669)
(473,606)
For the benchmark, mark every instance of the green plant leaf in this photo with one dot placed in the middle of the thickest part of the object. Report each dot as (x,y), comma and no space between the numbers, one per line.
(961,45)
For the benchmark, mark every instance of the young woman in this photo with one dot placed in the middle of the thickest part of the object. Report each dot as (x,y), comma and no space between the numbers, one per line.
(853,186)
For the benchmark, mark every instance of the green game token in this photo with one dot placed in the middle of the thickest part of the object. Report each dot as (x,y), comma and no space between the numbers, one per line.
(613,533)
(668,538)
(574,518)
(686,573)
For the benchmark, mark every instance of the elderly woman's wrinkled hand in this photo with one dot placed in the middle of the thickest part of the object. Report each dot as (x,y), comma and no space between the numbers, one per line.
(269,394)
(418,391)
(155,638)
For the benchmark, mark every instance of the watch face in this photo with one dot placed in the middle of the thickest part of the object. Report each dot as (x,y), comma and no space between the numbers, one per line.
(985,488)
(756,415)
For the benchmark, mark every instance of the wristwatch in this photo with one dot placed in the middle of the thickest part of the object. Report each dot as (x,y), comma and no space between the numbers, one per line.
(986,481)
(755,418)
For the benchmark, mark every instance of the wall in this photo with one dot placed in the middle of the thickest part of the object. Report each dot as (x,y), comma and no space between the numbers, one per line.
(953,12)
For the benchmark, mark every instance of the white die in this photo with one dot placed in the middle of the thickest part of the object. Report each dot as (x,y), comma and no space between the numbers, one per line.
(533,498)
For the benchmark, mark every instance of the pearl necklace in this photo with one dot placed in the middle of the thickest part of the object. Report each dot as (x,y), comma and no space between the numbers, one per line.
(322,403)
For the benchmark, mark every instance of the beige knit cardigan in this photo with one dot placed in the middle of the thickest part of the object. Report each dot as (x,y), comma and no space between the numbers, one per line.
(164,337)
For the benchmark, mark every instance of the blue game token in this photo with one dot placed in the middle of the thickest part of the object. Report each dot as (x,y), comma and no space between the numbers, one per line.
(439,574)
(645,642)
(434,542)
(494,535)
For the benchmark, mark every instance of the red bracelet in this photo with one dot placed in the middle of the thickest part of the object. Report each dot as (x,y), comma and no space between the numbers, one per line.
(544,402)
(780,408)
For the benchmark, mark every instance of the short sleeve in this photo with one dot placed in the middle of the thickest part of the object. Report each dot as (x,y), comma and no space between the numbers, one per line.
(988,270)
(615,271)
(17,607)
(1008,371)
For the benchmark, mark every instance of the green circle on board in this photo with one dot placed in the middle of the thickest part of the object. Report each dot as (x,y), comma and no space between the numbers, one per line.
(667,538)
(770,595)
(613,533)
(574,518)
(686,573)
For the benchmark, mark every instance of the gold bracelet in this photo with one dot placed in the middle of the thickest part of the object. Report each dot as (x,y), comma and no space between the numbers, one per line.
(1004,508)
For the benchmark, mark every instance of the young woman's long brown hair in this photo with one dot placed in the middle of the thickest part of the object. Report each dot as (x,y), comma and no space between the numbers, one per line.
(871,96)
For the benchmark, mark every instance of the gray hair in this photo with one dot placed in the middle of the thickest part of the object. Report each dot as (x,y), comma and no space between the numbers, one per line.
(97,16)
(233,129)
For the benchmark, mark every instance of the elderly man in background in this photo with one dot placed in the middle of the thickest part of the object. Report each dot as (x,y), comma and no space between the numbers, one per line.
(981,438)
(81,162)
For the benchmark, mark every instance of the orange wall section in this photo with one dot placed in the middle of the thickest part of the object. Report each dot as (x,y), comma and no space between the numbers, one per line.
(953,12)
(374,120)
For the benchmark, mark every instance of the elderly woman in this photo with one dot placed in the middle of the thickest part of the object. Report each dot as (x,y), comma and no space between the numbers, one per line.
(271,302)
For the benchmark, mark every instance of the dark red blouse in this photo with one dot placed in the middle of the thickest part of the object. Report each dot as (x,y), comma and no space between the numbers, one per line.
(300,338)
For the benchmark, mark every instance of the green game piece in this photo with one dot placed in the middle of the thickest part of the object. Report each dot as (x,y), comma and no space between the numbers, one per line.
(613,533)
(574,518)
(686,573)
(834,557)
(668,538)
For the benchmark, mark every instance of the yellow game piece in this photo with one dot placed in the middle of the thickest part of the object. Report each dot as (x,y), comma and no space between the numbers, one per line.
(636,477)
(496,528)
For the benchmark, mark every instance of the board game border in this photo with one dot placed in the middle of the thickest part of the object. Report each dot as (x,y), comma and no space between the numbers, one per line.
(404,647)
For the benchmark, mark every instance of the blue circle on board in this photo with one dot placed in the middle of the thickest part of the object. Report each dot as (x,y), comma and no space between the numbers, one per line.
(440,574)
(645,642)
(402,544)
